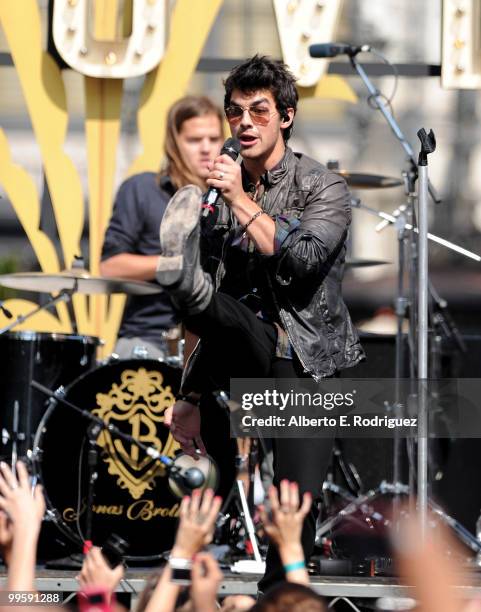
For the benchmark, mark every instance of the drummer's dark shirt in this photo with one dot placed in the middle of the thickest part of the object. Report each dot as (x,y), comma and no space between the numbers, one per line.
(134,228)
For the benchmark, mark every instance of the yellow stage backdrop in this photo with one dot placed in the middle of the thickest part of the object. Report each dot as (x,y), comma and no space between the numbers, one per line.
(44,92)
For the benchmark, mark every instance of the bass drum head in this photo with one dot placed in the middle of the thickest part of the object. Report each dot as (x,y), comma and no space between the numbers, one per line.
(132,497)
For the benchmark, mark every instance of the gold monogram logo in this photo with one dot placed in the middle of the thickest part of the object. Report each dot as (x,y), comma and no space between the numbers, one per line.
(136,406)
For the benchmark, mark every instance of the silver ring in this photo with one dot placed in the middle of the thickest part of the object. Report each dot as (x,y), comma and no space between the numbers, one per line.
(285,509)
(221,176)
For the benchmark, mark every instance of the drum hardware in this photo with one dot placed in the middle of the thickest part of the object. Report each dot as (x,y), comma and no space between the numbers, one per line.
(358,180)
(16,435)
(363,503)
(64,296)
(140,352)
(392,220)
(53,359)
(357,262)
(237,498)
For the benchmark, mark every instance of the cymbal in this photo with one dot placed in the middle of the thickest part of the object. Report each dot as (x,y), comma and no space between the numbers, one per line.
(357,262)
(76,280)
(358,180)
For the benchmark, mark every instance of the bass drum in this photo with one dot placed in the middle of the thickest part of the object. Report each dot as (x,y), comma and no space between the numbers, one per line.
(131,495)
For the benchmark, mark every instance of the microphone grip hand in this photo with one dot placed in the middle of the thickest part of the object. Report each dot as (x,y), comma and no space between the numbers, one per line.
(183,419)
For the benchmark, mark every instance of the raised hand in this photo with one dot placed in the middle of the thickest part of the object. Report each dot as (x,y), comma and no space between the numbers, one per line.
(284,527)
(97,572)
(206,579)
(197,520)
(25,509)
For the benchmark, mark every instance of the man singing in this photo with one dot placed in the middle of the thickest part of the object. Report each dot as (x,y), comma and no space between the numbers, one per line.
(261,284)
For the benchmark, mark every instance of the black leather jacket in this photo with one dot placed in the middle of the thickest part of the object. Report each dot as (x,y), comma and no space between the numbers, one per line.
(311,208)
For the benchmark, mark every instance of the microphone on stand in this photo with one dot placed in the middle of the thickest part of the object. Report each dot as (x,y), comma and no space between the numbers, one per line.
(186,474)
(231,147)
(335,49)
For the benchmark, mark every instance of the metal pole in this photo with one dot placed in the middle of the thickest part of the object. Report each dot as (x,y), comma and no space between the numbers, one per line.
(423,356)
(428,145)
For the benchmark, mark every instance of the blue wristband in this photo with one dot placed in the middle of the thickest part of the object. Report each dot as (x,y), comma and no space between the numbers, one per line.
(291,567)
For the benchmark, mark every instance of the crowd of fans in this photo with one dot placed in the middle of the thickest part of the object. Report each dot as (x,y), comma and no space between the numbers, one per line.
(422,562)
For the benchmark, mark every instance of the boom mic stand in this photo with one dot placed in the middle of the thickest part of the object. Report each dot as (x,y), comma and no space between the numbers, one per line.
(184,480)
(401,304)
(418,360)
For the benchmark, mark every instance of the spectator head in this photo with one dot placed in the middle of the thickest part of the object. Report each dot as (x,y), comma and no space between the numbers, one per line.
(291,597)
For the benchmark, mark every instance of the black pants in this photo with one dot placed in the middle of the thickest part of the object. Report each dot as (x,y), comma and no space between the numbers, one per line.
(237,344)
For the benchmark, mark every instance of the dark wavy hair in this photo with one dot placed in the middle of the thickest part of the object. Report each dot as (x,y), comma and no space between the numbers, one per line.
(262,72)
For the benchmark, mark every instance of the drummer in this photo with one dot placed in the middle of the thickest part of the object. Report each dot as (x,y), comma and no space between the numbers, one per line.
(194,135)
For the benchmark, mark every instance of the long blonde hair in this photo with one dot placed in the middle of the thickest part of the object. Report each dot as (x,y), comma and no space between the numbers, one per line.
(175,166)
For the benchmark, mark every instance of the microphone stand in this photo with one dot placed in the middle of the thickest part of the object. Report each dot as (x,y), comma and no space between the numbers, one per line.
(93,432)
(172,469)
(381,104)
(428,145)
(419,299)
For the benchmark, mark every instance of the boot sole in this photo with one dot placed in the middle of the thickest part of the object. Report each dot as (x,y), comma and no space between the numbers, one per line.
(180,218)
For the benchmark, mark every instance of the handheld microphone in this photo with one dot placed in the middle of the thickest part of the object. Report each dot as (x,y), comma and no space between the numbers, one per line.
(335,49)
(231,147)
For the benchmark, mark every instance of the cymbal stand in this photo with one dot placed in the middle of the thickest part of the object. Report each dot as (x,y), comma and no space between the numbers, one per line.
(356,203)
(363,502)
(64,296)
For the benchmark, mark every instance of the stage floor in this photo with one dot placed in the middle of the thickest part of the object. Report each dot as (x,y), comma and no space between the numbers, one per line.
(233,584)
